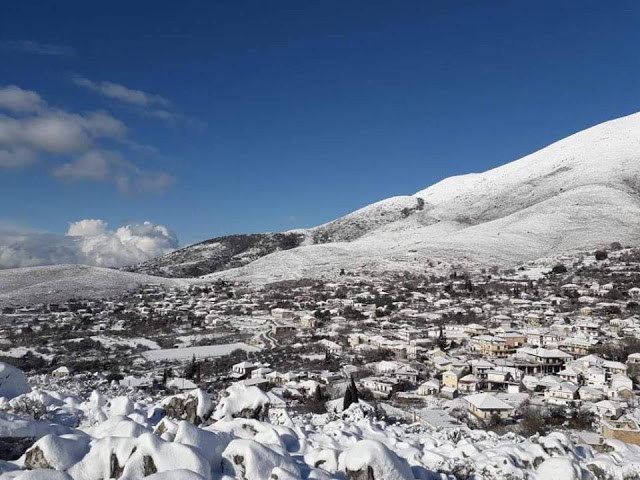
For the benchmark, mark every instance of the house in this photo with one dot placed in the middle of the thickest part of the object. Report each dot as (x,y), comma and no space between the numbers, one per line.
(513,339)
(332,347)
(407,374)
(607,409)
(485,405)
(261,372)
(278,330)
(380,385)
(244,368)
(634,293)
(132,381)
(282,313)
(450,378)
(548,361)
(497,379)
(308,321)
(62,372)
(490,346)
(562,394)
(633,359)
(569,374)
(596,377)
(430,387)
(468,384)
(181,384)
(624,430)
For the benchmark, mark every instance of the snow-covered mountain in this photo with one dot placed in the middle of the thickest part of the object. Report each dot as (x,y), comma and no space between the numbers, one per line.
(579,193)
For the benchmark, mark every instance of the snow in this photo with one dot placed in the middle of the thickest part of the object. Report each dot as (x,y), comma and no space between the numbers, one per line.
(558,469)
(61,452)
(204,408)
(12,381)
(62,282)
(576,194)
(208,443)
(375,455)
(288,446)
(205,351)
(250,459)
(239,398)
(121,406)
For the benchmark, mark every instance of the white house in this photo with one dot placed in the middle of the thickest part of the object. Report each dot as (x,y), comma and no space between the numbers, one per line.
(485,405)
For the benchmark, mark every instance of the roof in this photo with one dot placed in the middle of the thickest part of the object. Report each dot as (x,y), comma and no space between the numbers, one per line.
(486,401)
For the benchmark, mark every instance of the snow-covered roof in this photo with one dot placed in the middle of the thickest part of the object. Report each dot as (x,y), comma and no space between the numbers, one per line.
(486,401)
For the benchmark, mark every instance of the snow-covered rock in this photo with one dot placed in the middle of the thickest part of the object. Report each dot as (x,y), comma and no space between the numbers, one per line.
(242,401)
(56,452)
(372,460)
(194,406)
(12,381)
(559,468)
(252,460)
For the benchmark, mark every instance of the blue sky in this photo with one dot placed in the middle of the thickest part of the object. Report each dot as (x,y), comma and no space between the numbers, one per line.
(264,116)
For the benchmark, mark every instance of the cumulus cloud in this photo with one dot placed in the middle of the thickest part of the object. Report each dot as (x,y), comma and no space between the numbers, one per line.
(88,242)
(38,48)
(110,167)
(32,128)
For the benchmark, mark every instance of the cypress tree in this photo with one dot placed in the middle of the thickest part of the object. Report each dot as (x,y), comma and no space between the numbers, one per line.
(355,397)
(348,400)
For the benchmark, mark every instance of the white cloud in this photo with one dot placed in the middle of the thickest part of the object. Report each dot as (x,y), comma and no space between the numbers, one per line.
(88,242)
(33,129)
(110,167)
(144,103)
(37,48)
(119,92)
(16,157)
(18,100)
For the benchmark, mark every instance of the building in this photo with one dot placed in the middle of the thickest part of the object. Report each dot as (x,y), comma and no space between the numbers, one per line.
(626,431)
(485,406)
(490,346)
(62,372)
(380,385)
(547,361)
(563,393)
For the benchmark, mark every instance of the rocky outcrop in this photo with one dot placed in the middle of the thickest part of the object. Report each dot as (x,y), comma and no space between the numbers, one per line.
(194,406)
(35,460)
(12,448)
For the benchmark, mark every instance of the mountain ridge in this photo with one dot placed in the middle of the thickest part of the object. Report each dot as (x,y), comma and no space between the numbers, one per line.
(580,192)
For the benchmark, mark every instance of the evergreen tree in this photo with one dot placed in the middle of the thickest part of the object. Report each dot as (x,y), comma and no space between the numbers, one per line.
(354,391)
(318,394)
(441,342)
(348,400)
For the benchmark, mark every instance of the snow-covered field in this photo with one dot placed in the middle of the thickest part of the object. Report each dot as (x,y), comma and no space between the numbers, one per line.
(205,351)
(246,434)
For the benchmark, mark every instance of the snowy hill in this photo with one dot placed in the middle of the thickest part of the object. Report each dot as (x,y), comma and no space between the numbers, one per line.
(579,193)
(56,283)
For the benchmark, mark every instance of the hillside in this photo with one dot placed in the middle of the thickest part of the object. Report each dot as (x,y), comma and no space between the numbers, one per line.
(217,254)
(579,193)
(19,286)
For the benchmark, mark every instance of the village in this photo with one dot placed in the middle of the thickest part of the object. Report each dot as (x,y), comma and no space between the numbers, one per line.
(552,345)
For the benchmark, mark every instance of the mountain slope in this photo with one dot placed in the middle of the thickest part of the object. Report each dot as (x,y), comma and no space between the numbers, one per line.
(578,193)
(217,254)
(29,285)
